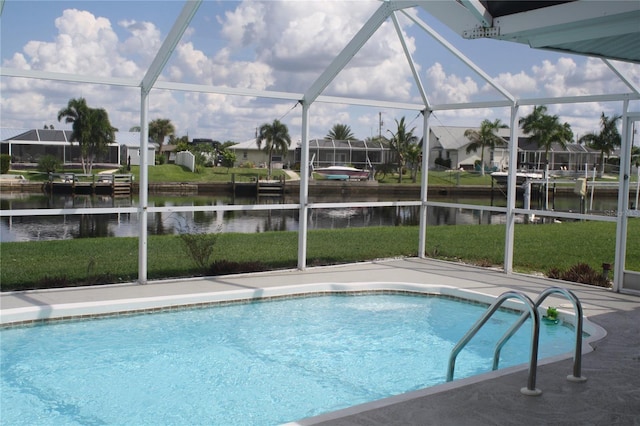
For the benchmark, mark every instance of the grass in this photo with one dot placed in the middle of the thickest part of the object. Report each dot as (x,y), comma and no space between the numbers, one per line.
(537,249)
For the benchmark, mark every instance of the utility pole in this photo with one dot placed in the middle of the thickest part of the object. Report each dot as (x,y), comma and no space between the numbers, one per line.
(380,125)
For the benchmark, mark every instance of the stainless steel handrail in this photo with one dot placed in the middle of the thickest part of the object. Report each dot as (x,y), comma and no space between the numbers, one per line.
(533,360)
(577,355)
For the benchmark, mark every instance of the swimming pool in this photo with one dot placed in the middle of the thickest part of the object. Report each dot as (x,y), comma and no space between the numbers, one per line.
(251,363)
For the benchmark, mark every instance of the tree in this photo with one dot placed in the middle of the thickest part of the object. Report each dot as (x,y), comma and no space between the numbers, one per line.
(340,132)
(228,158)
(545,130)
(77,113)
(159,129)
(90,128)
(400,143)
(607,139)
(635,156)
(102,134)
(486,137)
(275,137)
(414,156)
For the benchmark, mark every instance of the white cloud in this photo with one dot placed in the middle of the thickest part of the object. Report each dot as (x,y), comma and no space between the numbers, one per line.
(516,84)
(449,88)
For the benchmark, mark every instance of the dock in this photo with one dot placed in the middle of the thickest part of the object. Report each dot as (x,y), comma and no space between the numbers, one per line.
(259,187)
(116,185)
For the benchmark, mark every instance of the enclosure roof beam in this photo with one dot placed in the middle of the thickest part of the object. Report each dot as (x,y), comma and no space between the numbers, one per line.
(356,43)
(622,76)
(412,65)
(170,42)
(223,90)
(69,78)
(451,48)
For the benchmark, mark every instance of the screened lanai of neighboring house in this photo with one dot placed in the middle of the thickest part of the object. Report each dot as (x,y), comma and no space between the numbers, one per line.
(363,154)
(565,160)
(601,29)
(28,146)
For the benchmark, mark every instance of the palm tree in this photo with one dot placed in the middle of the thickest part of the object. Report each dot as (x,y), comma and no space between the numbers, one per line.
(400,143)
(275,137)
(101,134)
(414,156)
(77,113)
(545,130)
(340,132)
(486,137)
(159,129)
(607,139)
(90,128)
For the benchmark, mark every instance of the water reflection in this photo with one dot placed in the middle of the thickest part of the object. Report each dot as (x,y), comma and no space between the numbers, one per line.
(34,228)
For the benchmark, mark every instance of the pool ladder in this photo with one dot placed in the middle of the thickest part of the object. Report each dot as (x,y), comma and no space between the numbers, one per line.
(532,311)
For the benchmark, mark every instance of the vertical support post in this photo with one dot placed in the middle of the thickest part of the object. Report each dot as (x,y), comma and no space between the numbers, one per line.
(623,200)
(511,190)
(144,183)
(304,189)
(424,185)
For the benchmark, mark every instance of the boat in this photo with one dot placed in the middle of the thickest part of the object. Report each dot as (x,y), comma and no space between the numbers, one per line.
(501,178)
(342,173)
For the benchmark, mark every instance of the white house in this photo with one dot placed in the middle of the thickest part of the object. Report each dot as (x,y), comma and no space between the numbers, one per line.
(129,143)
(247,152)
(450,143)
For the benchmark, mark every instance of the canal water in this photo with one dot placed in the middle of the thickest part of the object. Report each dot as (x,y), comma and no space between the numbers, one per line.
(60,227)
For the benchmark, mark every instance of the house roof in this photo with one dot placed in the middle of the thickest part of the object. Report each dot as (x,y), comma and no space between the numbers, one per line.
(453,138)
(52,136)
(42,135)
(526,144)
(249,145)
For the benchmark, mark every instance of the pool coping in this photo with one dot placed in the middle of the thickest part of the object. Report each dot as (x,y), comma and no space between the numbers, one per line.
(37,314)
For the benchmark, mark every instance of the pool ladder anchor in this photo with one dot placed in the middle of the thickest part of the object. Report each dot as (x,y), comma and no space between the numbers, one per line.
(531,311)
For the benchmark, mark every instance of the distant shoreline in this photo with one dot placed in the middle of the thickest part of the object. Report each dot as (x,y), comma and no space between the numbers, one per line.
(316,187)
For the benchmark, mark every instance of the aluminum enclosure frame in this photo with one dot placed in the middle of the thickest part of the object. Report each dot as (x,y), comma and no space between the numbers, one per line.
(467,13)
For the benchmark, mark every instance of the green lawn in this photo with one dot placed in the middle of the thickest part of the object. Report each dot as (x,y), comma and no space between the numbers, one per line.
(538,248)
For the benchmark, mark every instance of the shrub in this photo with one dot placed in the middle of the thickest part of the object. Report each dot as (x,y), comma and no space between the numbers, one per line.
(228,158)
(53,282)
(5,163)
(580,273)
(48,164)
(554,273)
(199,247)
(226,267)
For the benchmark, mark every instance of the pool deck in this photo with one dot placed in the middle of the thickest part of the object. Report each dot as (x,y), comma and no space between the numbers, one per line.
(611,394)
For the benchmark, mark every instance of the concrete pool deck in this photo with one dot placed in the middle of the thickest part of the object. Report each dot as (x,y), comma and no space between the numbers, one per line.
(611,395)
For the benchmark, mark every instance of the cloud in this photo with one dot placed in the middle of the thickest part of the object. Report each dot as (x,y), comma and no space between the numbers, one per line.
(516,84)
(449,88)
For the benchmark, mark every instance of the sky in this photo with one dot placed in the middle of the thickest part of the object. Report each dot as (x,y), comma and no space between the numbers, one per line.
(277,46)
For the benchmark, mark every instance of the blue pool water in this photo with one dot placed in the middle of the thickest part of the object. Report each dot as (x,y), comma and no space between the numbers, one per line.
(259,363)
